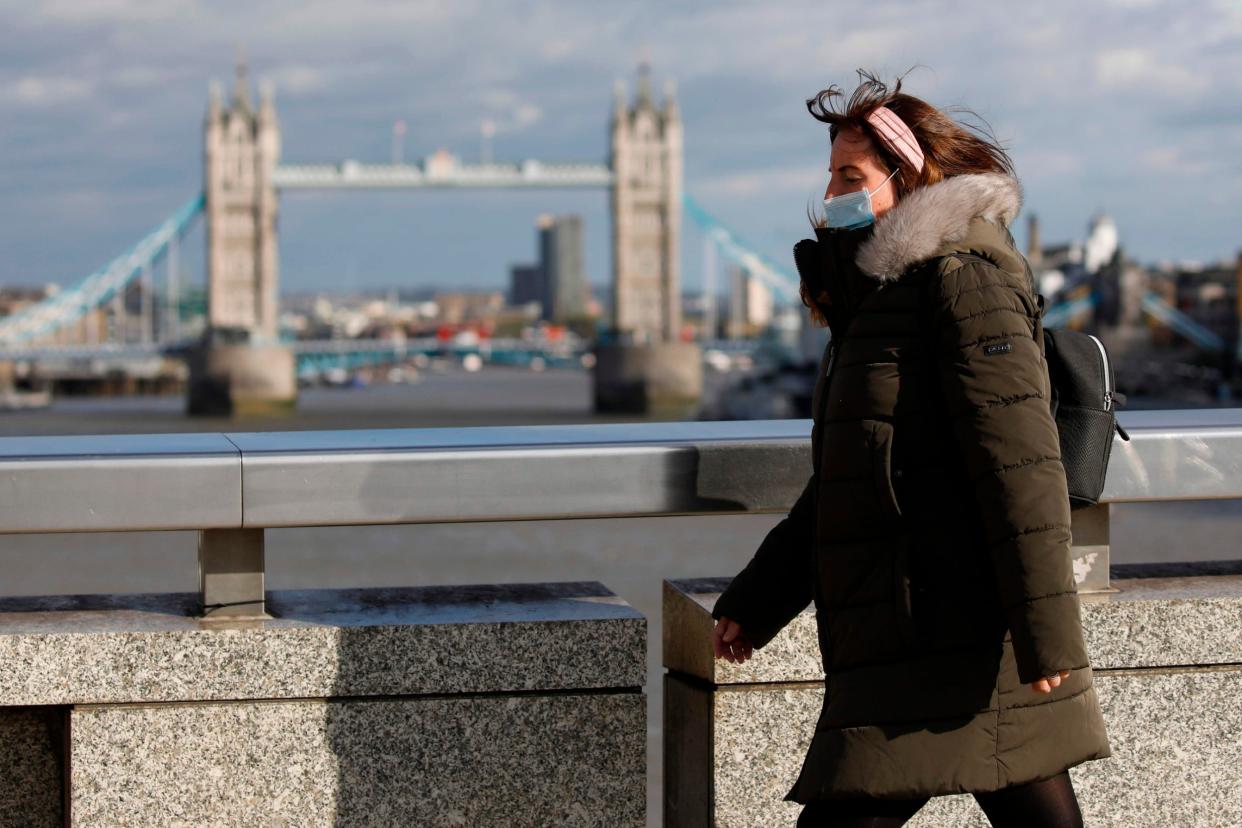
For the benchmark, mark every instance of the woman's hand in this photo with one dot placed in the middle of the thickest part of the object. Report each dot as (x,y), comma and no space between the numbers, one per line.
(730,642)
(1045,685)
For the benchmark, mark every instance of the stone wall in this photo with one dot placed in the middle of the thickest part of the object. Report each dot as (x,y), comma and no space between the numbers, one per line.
(489,705)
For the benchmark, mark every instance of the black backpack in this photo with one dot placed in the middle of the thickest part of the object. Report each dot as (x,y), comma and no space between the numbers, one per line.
(1084,400)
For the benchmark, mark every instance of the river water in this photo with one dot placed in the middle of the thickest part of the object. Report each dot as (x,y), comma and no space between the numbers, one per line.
(629,555)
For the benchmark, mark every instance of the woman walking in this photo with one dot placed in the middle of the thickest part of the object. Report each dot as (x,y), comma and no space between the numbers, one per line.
(933,535)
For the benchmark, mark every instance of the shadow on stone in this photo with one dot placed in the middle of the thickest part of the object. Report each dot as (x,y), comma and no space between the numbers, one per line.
(32,751)
(489,705)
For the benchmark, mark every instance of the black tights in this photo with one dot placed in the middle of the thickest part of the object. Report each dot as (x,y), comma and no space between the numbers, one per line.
(1048,803)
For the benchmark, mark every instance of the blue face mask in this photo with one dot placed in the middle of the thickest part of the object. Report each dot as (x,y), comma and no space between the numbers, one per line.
(851,211)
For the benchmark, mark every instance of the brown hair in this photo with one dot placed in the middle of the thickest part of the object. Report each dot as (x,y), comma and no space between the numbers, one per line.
(950,146)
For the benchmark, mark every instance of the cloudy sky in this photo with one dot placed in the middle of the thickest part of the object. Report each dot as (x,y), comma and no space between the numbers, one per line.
(1133,107)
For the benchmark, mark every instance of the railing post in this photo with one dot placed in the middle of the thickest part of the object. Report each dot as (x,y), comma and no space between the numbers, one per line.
(1089,547)
(230,565)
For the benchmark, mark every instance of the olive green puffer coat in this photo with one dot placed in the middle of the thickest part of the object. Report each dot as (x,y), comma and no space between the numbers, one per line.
(933,535)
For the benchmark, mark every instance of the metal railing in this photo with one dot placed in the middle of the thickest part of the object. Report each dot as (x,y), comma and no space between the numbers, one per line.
(230,487)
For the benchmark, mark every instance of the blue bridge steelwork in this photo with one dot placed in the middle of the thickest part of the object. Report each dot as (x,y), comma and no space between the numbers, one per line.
(20,333)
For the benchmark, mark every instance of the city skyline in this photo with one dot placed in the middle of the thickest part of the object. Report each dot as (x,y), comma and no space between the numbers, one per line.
(97,158)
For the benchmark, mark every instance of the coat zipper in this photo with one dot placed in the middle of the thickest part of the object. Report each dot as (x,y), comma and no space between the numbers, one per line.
(834,348)
(1108,390)
(832,356)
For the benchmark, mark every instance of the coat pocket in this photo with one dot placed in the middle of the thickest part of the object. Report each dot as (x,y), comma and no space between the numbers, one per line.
(882,468)
(906,601)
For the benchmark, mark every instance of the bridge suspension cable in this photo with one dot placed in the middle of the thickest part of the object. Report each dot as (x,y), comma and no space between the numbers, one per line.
(1181,322)
(778,279)
(1065,312)
(72,303)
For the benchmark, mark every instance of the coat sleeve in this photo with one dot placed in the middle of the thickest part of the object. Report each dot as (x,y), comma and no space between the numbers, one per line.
(996,388)
(776,585)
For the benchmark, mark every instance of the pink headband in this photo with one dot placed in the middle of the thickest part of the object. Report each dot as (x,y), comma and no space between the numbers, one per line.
(896,136)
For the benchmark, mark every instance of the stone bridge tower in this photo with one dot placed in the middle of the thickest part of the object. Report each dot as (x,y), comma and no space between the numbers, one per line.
(240,367)
(241,148)
(646,158)
(645,367)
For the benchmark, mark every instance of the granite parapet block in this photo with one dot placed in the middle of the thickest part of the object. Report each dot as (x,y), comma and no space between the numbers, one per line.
(321,643)
(31,774)
(755,760)
(1177,744)
(1167,653)
(793,655)
(518,760)
(1147,622)
(1176,737)
(1177,621)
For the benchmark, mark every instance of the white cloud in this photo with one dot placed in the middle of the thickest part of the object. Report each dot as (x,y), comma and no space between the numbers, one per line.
(47,91)
(1048,163)
(1229,18)
(1046,35)
(79,12)
(871,48)
(308,18)
(1176,160)
(526,115)
(1139,68)
(558,48)
(298,78)
(139,77)
(508,111)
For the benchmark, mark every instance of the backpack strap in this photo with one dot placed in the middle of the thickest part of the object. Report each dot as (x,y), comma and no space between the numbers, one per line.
(1040,303)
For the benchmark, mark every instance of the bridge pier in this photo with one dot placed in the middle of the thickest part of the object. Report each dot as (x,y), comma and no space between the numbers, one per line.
(657,377)
(242,380)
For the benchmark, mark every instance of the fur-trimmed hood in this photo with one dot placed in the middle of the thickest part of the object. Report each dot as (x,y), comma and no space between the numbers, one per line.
(934,220)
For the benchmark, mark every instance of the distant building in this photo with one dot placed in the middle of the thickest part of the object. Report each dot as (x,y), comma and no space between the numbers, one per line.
(1034,248)
(558,281)
(1094,265)
(1102,243)
(13,299)
(750,304)
(561,258)
(467,306)
(525,284)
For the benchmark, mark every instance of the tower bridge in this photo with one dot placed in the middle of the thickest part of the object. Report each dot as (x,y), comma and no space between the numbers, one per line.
(243,174)
(243,177)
